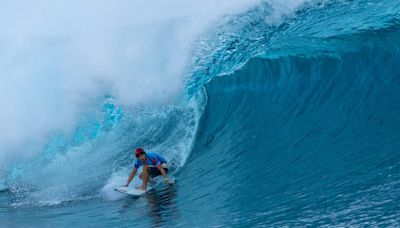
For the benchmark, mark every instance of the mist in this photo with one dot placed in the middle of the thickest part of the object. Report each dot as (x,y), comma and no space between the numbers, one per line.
(56,58)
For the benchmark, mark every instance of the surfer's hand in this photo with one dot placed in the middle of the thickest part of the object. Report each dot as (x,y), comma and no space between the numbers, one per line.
(166,180)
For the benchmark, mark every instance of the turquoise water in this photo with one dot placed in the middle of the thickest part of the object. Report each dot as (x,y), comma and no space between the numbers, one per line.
(291,123)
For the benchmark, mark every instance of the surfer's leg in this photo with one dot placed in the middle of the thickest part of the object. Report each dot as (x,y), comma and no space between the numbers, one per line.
(149,178)
(145,175)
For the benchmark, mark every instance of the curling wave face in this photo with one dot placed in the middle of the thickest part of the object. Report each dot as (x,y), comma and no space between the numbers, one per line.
(305,130)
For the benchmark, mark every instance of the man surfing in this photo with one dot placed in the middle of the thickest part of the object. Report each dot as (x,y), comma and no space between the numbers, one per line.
(153,165)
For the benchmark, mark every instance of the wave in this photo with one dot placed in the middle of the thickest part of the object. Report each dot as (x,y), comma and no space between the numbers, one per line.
(307,129)
(78,96)
(271,102)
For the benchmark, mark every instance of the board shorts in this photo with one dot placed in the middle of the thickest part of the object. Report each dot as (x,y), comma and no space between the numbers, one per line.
(153,172)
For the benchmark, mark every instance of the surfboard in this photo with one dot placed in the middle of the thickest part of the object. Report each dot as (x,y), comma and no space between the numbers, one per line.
(132,190)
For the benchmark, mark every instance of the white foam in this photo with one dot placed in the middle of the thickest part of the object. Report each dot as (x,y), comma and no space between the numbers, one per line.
(118,179)
(281,8)
(56,58)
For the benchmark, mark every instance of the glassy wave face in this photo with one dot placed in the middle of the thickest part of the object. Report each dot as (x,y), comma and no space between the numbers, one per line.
(289,115)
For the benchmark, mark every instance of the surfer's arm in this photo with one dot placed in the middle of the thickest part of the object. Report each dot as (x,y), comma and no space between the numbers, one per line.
(163,173)
(133,173)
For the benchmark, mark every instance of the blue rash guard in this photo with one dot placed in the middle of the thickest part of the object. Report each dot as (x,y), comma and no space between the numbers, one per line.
(152,159)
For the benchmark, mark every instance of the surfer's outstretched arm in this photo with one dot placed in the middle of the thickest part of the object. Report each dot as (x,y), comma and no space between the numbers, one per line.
(133,173)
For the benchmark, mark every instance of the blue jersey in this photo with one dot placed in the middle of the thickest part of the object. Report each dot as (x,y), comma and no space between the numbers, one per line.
(152,159)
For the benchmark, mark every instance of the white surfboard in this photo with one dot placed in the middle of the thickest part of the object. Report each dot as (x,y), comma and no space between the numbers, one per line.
(132,190)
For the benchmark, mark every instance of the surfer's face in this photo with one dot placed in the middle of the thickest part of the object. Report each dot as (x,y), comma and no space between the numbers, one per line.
(142,157)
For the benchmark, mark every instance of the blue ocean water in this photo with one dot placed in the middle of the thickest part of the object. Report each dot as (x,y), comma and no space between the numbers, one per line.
(294,122)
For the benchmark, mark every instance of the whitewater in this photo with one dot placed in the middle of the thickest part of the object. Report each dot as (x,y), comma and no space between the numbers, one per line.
(272,113)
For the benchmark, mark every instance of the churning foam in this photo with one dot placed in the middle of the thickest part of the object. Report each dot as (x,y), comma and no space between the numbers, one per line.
(56,58)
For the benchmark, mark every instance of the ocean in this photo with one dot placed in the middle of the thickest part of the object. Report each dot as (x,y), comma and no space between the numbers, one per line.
(282,113)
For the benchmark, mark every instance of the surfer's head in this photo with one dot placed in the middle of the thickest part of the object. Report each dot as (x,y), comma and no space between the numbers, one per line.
(140,154)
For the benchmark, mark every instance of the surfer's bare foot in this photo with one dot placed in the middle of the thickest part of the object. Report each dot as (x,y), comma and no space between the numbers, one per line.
(142,188)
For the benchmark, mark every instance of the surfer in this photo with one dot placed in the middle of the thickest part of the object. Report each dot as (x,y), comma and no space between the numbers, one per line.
(153,165)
